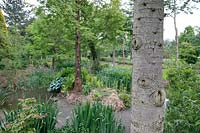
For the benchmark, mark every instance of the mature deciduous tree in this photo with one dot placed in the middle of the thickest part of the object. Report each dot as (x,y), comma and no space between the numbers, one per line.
(148,93)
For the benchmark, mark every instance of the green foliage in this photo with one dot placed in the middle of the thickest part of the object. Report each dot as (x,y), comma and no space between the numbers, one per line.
(4,95)
(183,94)
(30,117)
(188,53)
(38,79)
(3,39)
(116,77)
(126,98)
(95,118)
(3,27)
(56,85)
(17,14)
(89,81)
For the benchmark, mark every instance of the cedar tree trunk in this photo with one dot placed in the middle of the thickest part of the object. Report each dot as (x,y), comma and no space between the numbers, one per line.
(78,80)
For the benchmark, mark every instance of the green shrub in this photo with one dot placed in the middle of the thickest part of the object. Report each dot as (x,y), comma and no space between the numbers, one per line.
(116,77)
(182,114)
(95,118)
(30,117)
(188,53)
(38,79)
(68,75)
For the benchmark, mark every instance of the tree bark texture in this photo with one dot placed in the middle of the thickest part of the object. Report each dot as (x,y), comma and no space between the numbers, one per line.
(78,80)
(148,93)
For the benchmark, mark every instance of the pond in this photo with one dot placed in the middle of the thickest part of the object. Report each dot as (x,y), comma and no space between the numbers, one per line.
(40,94)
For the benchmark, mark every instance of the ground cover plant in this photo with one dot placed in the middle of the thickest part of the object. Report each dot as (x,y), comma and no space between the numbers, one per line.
(30,116)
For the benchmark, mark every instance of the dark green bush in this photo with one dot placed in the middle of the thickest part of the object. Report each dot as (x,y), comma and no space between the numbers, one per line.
(183,92)
(31,116)
(95,118)
(116,77)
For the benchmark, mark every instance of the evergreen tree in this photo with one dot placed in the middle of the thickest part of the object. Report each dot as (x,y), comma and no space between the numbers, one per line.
(17,14)
(3,38)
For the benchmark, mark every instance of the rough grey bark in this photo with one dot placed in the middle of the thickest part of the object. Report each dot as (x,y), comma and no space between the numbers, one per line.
(148,93)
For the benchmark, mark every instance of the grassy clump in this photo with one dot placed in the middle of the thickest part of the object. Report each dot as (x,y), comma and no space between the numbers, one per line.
(38,79)
(95,118)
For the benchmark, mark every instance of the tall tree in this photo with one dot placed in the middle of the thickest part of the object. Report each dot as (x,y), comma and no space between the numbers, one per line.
(148,93)
(78,80)
(173,8)
(113,24)
(3,36)
(17,14)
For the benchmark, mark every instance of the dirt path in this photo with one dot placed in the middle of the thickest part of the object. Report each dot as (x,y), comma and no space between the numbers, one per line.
(65,110)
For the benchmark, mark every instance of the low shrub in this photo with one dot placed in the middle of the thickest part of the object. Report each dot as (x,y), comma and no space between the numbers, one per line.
(68,74)
(56,85)
(31,116)
(95,118)
(116,77)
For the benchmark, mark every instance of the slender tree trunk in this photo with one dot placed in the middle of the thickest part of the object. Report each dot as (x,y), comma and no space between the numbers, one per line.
(148,93)
(53,63)
(78,80)
(95,61)
(123,50)
(113,58)
(176,33)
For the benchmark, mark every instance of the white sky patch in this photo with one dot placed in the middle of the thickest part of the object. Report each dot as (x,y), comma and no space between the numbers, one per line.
(183,20)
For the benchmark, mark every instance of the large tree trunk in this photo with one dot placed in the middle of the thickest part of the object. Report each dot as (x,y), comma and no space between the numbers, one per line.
(176,33)
(78,80)
(148,93)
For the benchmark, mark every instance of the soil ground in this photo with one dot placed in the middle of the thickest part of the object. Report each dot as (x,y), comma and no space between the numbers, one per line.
(65,110)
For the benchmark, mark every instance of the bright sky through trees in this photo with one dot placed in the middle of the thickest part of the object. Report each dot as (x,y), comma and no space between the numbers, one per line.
(183,20)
